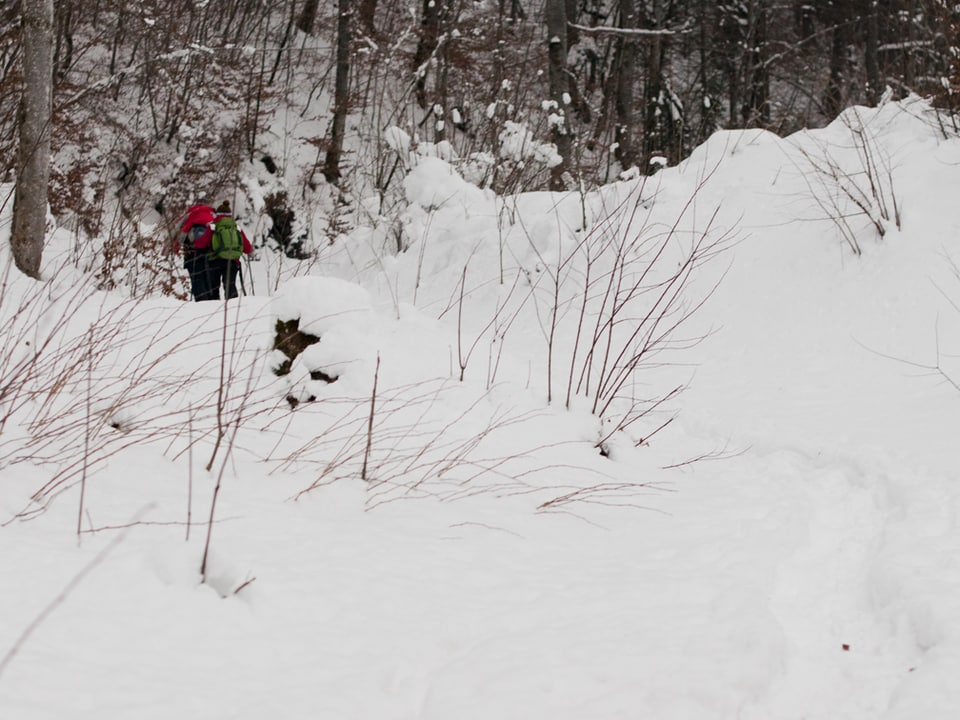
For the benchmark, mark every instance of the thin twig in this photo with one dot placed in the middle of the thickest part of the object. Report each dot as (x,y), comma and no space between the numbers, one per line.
(373,405)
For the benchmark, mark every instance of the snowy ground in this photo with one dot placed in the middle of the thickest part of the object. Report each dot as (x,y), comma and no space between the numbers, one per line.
(495,565)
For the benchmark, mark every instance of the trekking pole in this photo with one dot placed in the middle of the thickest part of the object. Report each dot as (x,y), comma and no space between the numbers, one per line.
(240,273)
(253,290)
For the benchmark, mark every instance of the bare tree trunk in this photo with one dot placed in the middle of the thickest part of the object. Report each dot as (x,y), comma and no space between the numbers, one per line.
(625,132)
(654,132)
(367,12)
(909,52)
(710,66)
(429,36)
(33,153)
(307,16)
(835,96)
(556,17)
(660,124)
(331,167)
(283,44)
(731,52)
(758,110)
(63,49)
(871,51)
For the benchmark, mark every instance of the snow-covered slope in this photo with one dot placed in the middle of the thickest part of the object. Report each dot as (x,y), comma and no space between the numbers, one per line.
(785,548)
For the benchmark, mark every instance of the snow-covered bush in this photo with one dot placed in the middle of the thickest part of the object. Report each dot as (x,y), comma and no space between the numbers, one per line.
(616,298)
(868,192)
(592,290)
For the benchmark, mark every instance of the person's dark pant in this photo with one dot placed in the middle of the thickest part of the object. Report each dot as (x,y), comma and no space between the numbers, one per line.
(208,274)
(202,285)
(225,273)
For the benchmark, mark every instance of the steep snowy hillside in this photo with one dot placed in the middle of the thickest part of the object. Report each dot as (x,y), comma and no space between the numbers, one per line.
(682,448)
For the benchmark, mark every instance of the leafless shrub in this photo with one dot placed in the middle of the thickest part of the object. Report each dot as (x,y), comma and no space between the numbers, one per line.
(406,445)
(86,375)
(615,304)
(608,494)
(132,260)
(222,426)
(841,194)
(942,366)
(495,330)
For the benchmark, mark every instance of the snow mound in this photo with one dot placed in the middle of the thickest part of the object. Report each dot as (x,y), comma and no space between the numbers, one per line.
(433,184)
(320,303)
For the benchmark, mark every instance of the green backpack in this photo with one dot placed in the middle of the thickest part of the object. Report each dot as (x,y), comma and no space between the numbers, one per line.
(226,242)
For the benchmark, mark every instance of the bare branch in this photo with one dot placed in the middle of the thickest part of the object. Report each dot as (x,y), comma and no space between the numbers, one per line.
(632,33)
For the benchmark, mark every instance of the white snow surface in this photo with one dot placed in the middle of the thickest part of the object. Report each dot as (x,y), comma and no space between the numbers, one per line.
(788,547)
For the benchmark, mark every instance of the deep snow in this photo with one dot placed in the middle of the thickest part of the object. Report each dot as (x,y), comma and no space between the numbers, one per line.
(788,547)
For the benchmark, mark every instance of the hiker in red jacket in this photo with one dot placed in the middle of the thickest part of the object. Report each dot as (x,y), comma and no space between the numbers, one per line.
(196,245)
(208,272)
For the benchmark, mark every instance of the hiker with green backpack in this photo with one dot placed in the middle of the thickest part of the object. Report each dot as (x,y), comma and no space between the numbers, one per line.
(228,243)
(212,247)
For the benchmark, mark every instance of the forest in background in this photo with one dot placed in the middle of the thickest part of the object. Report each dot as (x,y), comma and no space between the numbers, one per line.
(159,103)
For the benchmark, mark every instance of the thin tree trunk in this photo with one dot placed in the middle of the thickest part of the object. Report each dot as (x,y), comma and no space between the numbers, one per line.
(734,93)
(654,133)
(331,168)
(63,49)
(834,96)
(871,51)
(758,114)
(307,16)
(709,105)
(33,153)
(367,11)
(429,36)
(909,51)
(556,17)
(283,45)
(625,132)
(658,119)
